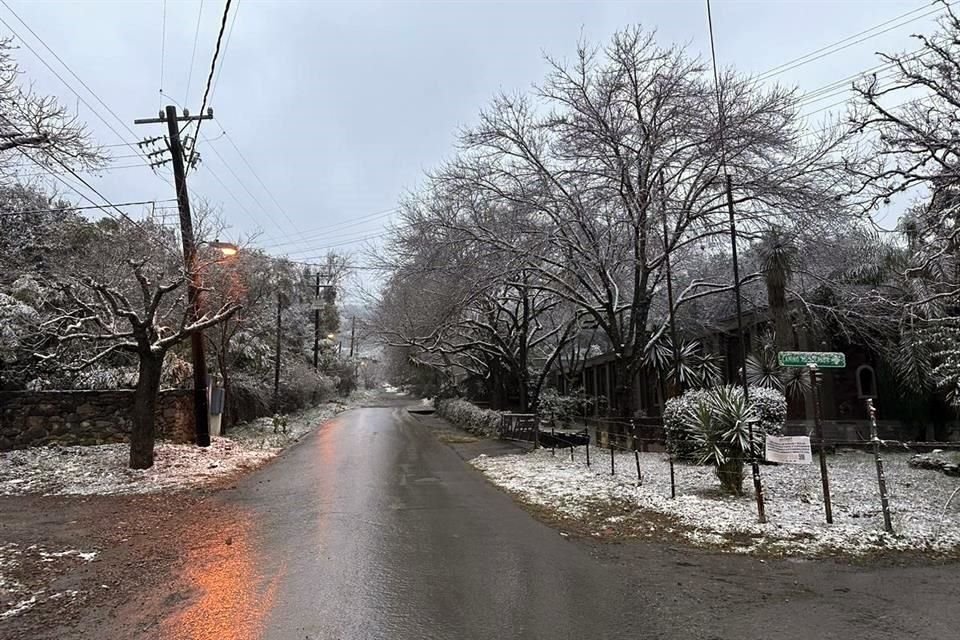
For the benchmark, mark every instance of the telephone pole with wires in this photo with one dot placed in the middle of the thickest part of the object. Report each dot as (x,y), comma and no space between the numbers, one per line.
(728,184)
(178,158)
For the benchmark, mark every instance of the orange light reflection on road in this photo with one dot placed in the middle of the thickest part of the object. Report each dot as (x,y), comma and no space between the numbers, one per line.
(327,441)
(232,599)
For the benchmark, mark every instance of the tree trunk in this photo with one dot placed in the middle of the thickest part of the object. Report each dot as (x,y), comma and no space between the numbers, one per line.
(777,304)
(142,434)
(226,421)
(730,474)
(621,404)
(524,366)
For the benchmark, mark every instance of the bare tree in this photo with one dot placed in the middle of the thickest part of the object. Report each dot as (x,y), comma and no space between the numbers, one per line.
(912,122)
(111,303)
(457,306)
(586,169)
(38,127)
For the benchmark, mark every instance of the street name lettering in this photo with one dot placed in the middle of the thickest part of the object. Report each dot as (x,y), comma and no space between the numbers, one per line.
(823,359)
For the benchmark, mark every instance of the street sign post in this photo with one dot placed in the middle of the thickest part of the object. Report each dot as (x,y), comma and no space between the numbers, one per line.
(823,359)
(814,361)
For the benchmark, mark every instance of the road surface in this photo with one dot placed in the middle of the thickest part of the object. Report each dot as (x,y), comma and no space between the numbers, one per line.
(371,528)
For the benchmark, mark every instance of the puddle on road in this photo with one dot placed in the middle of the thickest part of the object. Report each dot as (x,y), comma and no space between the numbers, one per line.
(230,598)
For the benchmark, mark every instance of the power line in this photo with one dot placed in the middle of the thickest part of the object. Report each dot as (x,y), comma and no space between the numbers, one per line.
(163,42)
(67,84)
(879,69)
(64,181)
(237,178)
(343,244)
(226,45)
(353,236)
(240,204)
(138,165)
(213,66)
(319,233)
(840,87)
(193,56)
(118,204)
(257,176)
(846,42)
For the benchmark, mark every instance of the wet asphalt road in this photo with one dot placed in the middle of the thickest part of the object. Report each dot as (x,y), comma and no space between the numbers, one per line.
(372,528)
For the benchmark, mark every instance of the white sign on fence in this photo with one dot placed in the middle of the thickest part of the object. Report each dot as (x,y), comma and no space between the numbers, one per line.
(789,449)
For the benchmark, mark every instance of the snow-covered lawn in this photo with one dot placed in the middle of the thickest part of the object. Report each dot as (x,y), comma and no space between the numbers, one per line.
(102,469)
(701,515)
(35,561)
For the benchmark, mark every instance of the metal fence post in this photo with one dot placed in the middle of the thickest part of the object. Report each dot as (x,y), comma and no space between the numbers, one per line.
(818,425)
(881,479)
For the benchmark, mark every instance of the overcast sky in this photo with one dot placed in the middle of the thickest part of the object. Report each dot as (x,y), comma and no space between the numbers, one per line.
(341,106)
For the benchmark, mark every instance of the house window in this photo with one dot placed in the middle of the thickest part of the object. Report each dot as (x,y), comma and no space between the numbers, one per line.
(866,382)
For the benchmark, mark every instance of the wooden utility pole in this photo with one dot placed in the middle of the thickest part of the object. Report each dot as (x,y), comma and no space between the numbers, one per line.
(675,343)
(728,183)
(353,332)
(316,326)
(276,355)
(200,404)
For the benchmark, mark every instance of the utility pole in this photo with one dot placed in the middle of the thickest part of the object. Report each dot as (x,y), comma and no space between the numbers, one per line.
(200,403)
(722,123)
(316,326)
(353,331)
(673,325)
(276,356)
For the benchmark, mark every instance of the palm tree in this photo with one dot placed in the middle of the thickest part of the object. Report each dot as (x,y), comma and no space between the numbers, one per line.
(778,254)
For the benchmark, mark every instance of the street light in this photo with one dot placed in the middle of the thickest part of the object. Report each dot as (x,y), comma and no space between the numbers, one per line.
(197,350)
(228,249)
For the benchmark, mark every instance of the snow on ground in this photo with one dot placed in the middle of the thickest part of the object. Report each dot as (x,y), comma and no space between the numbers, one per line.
(41,566)
(259,434)
(794,505)
(102,469)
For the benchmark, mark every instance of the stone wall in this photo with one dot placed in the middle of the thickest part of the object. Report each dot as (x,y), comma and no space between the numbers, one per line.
(35,418)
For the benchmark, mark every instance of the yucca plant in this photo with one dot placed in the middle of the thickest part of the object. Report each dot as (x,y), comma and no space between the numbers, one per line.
(763,370)
(719,428)
(694,368)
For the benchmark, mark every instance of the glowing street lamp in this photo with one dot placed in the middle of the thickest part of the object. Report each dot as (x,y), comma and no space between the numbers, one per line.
(228,249)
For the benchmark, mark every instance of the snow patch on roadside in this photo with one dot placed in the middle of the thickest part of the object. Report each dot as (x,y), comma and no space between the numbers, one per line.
(103,470)
(37,566)
(19,607)
(793,501)
(259,434)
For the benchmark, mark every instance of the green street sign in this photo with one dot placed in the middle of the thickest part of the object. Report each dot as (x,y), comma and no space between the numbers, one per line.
(823,359)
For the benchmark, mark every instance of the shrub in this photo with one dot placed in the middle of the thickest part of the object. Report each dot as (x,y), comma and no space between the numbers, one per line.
(769,405)
(470,417)
(719,430)
(556,409)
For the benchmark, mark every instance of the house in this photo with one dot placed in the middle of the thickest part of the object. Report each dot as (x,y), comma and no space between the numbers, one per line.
(843,392)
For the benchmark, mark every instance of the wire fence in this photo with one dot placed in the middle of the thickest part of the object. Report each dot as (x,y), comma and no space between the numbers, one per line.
(648,435)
